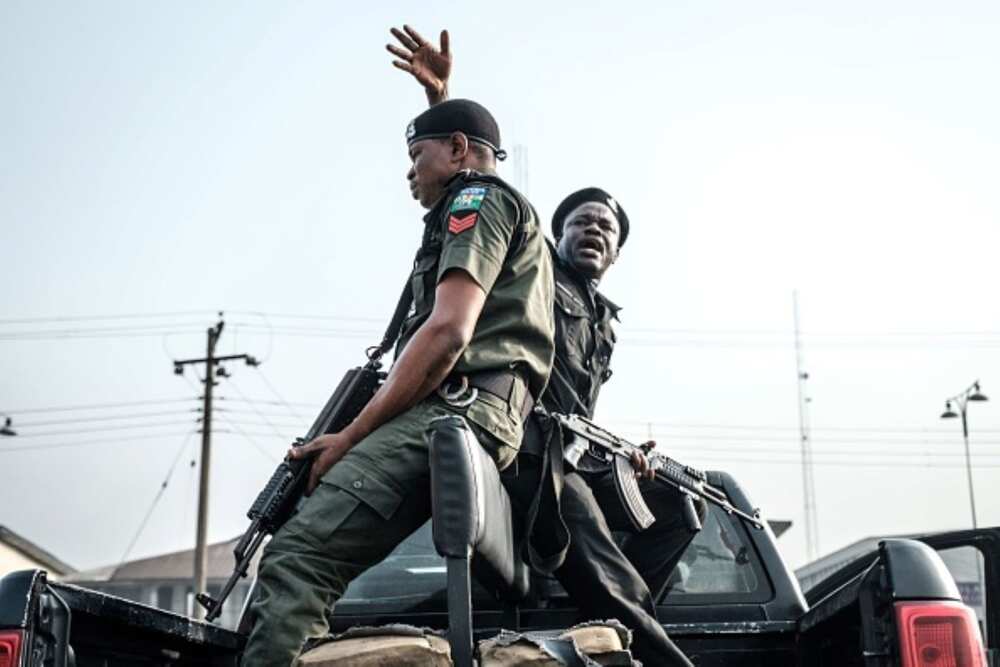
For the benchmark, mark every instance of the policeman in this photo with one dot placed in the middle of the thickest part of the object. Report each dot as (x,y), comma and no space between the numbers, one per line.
(577,512)
(479,343)
(574,526)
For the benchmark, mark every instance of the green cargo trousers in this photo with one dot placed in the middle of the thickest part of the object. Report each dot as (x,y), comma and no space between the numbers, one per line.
(367,503)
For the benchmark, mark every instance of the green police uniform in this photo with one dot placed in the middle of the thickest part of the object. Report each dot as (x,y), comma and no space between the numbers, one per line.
(379,492)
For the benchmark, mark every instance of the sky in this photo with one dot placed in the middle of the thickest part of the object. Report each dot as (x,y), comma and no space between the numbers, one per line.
(163,162)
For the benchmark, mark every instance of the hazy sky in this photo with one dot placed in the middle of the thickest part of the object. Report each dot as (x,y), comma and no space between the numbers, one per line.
(176,159)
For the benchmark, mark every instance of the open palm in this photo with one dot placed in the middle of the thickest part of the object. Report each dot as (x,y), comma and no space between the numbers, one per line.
(429,65)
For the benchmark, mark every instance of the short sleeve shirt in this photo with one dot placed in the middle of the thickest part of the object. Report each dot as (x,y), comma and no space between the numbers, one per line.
(489,231)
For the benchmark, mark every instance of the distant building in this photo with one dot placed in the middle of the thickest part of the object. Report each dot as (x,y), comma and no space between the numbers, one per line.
(166,581)
(19,553)
(965,564)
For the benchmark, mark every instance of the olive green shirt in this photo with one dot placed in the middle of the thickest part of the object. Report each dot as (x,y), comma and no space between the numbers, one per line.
(487,229)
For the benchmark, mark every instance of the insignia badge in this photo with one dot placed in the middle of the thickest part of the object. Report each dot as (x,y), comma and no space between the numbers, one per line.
(469,199)
(411,130)
(613,205)
(457,225)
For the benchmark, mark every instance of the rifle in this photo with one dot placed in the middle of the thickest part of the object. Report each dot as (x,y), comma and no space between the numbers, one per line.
(279,499)
(590,440)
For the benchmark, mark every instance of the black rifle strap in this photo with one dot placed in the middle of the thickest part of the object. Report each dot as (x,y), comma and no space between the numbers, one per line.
(547,495)
(395,324)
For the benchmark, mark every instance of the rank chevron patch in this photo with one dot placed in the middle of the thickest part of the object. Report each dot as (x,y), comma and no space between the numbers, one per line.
(457,225)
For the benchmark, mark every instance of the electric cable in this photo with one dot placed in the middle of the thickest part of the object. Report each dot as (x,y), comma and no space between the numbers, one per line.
(278,394)
(156,500)
(98,406)
(253,442)
(82,443)
(254,406)
(82,420)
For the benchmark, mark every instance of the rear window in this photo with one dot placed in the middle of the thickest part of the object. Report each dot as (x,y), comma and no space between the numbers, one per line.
(720,565)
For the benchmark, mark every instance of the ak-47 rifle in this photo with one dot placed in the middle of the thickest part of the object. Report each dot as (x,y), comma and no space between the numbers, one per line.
(277,502)
(590,440)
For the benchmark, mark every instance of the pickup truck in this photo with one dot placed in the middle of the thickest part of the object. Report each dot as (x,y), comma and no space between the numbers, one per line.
(732,602)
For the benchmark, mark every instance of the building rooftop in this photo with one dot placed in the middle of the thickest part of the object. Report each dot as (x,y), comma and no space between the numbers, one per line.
(176,565)
(34,552)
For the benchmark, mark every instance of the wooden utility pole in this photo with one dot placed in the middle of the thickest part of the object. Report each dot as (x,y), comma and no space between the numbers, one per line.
(210,361)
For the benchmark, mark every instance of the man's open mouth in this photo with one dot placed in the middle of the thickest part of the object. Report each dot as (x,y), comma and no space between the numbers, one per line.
(590,246)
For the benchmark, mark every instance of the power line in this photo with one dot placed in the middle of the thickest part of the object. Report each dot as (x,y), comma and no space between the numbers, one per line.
(764,427)
(262,401)
(724,437)
(249,439)
(292,316)
(88,318)
(102,430)
(275,415)
(824,453)
(82,443)
(243,421)
(69,334)
(156,499)
(81,420)
(282,436)
(254,406)
(98,406)
(278,394)
(931,465)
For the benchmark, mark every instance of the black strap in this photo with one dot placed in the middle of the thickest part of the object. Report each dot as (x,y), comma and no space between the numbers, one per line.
(549,490)
(548,493)
(395,324)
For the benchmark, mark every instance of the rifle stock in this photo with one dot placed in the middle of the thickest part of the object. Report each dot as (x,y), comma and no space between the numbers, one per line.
(278,500)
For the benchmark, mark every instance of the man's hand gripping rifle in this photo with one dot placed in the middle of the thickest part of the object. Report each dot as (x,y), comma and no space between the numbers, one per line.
(590,440)
(277,502)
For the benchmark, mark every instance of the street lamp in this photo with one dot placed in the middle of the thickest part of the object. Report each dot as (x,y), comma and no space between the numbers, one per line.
(972,393)
(6,429)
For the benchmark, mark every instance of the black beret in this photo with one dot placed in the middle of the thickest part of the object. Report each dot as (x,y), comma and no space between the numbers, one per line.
(465,116)
(584,196)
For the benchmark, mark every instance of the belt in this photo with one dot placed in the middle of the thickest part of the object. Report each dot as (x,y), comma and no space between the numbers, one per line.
(455,389)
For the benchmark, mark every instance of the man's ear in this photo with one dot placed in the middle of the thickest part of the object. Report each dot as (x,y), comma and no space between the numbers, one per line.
(459,146)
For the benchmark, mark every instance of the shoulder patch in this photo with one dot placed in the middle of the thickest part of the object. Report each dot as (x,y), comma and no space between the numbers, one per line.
(457,225)
(469,199)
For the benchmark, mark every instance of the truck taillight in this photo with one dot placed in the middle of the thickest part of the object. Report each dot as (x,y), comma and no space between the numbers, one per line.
(10,648)
(938,634)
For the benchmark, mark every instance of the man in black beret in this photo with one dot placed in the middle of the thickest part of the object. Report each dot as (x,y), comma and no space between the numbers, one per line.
(571,535)
(478,342)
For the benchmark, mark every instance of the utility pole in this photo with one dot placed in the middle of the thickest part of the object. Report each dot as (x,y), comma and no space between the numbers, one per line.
(210,361)
(808,483)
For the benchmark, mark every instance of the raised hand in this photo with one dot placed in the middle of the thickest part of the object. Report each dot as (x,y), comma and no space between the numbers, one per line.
(428,65)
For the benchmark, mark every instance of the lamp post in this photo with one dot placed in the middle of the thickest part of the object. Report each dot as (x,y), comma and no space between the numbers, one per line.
(962,399)
(6,429)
